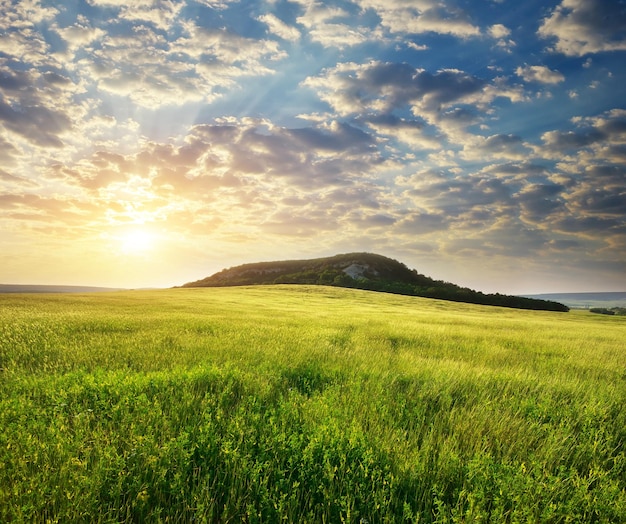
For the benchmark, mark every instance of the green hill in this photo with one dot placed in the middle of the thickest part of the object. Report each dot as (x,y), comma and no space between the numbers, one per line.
(363,271)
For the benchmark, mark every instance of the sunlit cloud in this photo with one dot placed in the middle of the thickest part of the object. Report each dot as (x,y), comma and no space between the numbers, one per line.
(279,28)
(541,74)
(581,27)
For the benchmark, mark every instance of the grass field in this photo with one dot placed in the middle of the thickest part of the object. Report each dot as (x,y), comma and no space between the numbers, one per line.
(307,404)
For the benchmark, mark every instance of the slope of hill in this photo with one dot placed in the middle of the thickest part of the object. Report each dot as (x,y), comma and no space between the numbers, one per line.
(363,271)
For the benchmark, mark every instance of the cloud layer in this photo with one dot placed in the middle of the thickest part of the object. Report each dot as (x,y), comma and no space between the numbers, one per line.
(452,139)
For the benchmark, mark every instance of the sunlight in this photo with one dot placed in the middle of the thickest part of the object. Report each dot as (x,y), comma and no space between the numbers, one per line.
(137,241)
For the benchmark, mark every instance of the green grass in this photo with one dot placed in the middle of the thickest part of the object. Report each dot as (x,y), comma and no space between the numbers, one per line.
(307,404)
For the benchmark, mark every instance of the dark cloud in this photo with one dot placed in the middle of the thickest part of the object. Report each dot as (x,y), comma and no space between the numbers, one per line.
(340,137)
(445,86)
(15,82)
(564,244)
(540,200)
(385,86)
(291,223)
(458,116)
(456,196)
(27,106)
(391,121)
(586,225)
(503,145)
(572,140)
(378,220)
(37,124)
(602,202)
(421,223)
(607,175)
(498,143)
(614,123)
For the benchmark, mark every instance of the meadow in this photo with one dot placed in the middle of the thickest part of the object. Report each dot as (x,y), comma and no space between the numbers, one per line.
(307,404)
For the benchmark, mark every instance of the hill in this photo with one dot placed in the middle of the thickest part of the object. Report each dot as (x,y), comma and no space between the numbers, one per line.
(363,271)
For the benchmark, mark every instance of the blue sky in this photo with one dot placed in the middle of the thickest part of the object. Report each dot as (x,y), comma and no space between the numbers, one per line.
(156,142)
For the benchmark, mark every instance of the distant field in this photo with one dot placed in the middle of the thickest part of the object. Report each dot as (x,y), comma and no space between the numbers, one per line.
(307,404)
(25,288)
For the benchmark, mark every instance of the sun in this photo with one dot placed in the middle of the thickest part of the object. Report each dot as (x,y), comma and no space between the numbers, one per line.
(137,241)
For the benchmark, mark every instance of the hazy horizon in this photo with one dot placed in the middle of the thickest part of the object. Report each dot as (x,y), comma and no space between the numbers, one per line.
(156,143)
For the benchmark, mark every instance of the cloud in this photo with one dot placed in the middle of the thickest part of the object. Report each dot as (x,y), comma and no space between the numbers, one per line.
(32,10)
(422,16)
(499,31)
(115,113)
(28,106)
(279,28)
(217,4)
(350,24)
(594,138)
(421,223)
(458,197)
(160,13)
(384,86)
(39,125)
(500,146)
(560,141)
(79,34)
(540,74)
(538,201)
(581,27)
(20,37)
(409,132)
(449,100)
(199,65)
(586,226)
(416,47)
(334,26)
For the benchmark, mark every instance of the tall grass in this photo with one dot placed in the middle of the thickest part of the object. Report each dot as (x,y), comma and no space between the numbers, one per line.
(307,404)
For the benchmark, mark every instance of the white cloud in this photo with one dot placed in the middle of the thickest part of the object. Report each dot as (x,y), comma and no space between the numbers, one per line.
(198,65)
(503,146)
(79,35)
(416,47)
(333,26)
(499,31)
(409,132)
(422,16)
(20,37)
(340,35)
(216,4)
(25,13)
(161,13)
(541,74)
(581,27)
(279,28)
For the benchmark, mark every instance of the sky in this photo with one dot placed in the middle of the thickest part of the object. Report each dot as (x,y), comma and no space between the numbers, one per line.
(155,142)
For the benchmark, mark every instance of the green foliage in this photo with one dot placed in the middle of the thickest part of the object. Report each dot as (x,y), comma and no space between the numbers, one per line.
(307,404)
(608,311)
